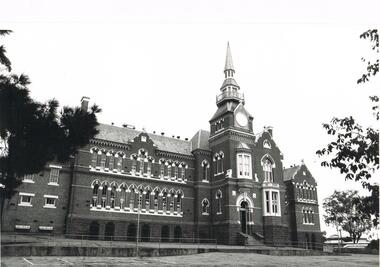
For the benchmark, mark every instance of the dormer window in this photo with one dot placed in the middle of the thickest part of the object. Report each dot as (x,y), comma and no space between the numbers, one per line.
(205,206)
(143,138)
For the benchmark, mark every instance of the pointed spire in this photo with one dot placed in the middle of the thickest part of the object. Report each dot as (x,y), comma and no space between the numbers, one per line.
(229,65)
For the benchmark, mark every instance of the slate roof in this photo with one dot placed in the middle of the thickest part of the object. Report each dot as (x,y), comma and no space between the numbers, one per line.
(124,135)
(200,140)
(229,81)
(290,172)
(226,107)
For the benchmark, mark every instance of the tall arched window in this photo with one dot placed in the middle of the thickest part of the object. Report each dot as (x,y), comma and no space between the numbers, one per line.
(268,170)
(162,168)
(134,163)
(113,196)
(179,201)
(156,195)
(169,169)
(216,163)
(183,170)
(164,201)
(221,159)
(218,197)
(205,170)
(205,206)
(176,164)
(94,152)
(95,194)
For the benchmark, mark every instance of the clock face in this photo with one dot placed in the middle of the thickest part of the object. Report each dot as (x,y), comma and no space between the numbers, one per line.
(241,119)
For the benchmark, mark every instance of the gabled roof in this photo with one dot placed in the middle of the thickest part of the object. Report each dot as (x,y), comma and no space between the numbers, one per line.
(200,140)
(290,172)
(124,135)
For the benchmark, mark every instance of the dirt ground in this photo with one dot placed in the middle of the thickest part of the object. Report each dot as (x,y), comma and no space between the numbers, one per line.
(206,259)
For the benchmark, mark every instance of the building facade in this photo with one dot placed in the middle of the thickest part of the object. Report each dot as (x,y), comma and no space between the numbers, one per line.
(227,183)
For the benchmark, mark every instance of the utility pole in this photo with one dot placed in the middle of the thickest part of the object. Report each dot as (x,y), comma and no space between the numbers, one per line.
(138,224)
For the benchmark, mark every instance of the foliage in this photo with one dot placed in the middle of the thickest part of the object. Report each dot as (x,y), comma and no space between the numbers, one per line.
(34,133)
(355,150)
(374,244)
(343,209)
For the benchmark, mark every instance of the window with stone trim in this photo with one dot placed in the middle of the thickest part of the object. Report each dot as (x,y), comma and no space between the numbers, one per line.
(244,166)
(268,170)
(50,201)
(26,199)
(205,170)
(218,197)
(29,178)
(54,175)
(205,206)
(272,202)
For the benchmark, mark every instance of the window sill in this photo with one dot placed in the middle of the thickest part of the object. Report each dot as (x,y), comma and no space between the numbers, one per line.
(272,214)
(53,184)
(206,181)
(49,207)
(205,213)
(25,205)
(245,177)
(218,213)
(28,181)
(308,223)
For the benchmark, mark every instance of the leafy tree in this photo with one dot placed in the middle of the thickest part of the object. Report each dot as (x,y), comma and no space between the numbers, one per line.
(343,209)
(355,150)
(34,133)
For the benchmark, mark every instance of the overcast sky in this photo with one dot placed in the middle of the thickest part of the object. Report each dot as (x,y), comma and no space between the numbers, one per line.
(159,64)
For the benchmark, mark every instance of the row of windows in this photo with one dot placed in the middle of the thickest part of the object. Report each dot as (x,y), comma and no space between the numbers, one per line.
(306,192)
(107,195)
(53,177)
(308,216)
(26,200)
(205,203)
(141,164)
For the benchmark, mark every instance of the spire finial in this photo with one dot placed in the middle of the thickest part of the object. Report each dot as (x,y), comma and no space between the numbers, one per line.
(229,65)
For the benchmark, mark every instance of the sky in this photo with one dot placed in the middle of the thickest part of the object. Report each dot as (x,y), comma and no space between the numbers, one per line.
(158,65)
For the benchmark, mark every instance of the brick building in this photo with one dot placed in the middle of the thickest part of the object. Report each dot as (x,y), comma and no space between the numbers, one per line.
(227,183)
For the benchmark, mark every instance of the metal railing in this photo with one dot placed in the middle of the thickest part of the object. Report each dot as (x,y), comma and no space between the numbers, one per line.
(80,240)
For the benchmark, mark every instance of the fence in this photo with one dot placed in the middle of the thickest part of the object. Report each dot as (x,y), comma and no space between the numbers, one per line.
(79,240)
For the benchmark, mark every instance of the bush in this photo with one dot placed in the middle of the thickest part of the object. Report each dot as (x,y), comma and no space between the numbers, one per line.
(374,244)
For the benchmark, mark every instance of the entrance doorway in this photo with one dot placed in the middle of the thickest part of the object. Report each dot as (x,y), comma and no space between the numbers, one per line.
(243,216)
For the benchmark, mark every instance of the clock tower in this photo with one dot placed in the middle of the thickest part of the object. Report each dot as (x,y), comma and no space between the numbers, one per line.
(232,142)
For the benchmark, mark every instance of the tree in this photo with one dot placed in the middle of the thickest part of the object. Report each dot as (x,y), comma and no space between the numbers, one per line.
(343,209)
(34,133)
(355,150)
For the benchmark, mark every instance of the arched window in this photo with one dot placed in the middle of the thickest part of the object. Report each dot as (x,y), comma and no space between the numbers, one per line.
(216,163)
(164,200)
(95,194)
(99,158)
(221,159)
(169,169)
(134,163)
(268,170)
(149,166)
(218,197)
(205,206)
(266,144)
(205,170)
(148,192)
(113,195)
(179,201)
(183,170)
(122,196)
(156,195)
(176,164)
(162,168)
(94,152)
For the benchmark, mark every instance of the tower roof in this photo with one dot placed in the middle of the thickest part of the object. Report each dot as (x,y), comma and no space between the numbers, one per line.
(229,64)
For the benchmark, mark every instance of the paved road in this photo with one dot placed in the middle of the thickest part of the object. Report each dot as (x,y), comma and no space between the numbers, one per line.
(206,259)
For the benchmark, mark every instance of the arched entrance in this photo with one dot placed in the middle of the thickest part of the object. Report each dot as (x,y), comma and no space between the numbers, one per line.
(109,231)
(131,232)
(165,233)
(177,233)
(94,230)
(145,233)
(243,216)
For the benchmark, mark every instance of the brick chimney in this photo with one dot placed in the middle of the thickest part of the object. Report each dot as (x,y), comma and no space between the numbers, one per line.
(84,103)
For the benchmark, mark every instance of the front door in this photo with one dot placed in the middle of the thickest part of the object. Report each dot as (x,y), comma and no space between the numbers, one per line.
(243,216)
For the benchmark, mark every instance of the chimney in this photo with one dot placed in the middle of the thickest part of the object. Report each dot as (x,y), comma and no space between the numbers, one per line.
(269,129)
(162,133)
(186,139)
(84,103)
(178,137)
